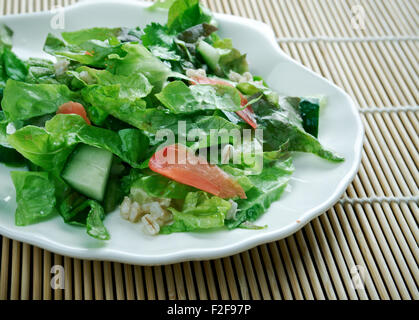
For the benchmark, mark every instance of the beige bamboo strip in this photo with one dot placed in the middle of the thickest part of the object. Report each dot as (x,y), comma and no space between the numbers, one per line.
(77,279)
(222,283)
(299,267)
(241,277)
(212,289)
(180,285)
(158,276)
(311,279)
(292,276)
(250,275)
(36,274)
(118,281)
(87,280)
(68,279)
(98,280)
(16,266)
(171,289)
(107,275)
(139,282)
(4,268)
(322,267)
(281,274)
(333,256)
(47,275)
(376,268)
(149,282)
(231,279)
(373,283)
(270,272)
(190,284)
(200,282)
(336,236)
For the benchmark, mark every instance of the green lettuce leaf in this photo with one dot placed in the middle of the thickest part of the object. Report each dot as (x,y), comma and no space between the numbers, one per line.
(221,57)
(81,36)
(155,185)
(179,98)
(22,101)
(8,155)
(199,212)
(92,52)
(282,125)
(35,197)
(80,211)
(14,68)
(184,14)
(136,59)
(50,147)
(267,188)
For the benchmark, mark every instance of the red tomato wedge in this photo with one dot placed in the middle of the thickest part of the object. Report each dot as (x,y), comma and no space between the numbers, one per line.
(74,108)
(246,114)
(180,164)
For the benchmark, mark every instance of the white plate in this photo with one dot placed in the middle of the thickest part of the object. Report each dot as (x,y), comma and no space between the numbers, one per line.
(316,184)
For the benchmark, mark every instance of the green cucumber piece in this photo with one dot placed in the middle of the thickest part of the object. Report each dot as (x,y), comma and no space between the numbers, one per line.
(87,171)
(210,54)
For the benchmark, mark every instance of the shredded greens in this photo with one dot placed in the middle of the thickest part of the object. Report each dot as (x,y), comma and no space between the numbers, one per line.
(116,89)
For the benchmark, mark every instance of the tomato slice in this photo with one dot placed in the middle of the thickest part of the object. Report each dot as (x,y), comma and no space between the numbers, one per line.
(246,114)
(74,108)
(180,164)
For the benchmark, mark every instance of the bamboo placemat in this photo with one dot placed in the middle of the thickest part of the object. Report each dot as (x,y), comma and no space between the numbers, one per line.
(371,233)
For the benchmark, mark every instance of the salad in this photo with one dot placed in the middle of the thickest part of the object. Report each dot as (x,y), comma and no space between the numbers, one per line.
(165,124)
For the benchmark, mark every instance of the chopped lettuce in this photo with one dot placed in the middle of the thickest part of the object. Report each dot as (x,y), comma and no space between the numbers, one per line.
(184,14)
(156,185)
(50,147)
(80,211)
(179,98)
(35,197)
(23,101)
(200,211)
(137,58)
(282,124)
(135,86)
(267,187)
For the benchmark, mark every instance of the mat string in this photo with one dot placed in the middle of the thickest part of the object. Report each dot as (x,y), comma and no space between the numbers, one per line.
(371,200)
(389,109)
(348,39)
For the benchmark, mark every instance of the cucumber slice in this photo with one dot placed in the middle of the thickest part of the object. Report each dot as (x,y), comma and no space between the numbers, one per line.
(210,54)
(87,171)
